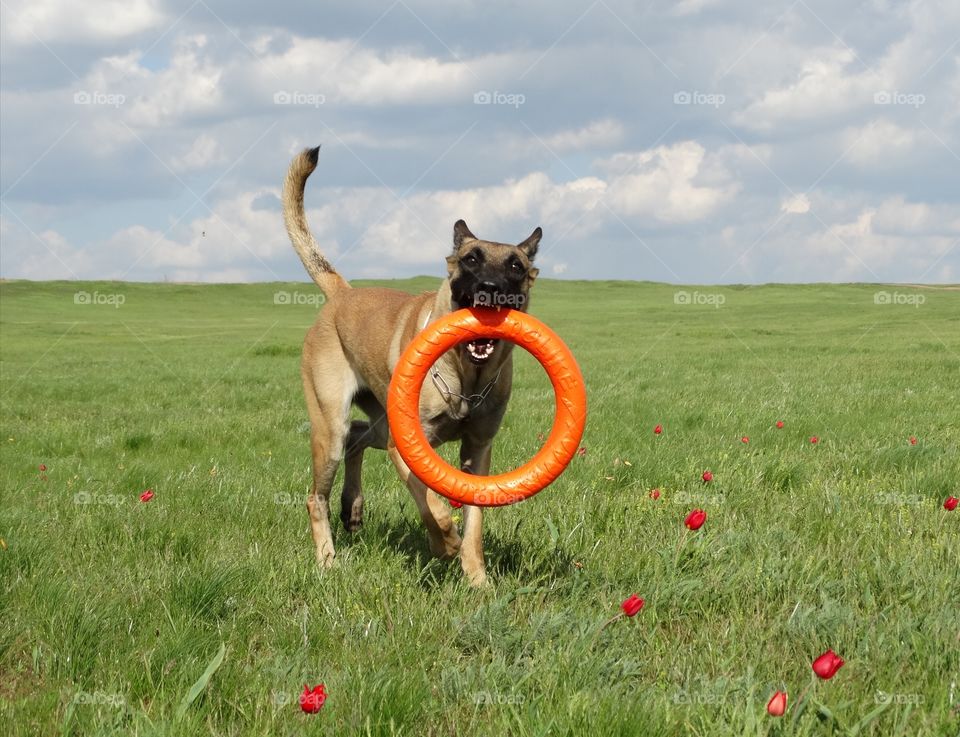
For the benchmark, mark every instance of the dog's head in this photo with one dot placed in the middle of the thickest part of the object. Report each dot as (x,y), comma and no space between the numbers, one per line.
(488,274)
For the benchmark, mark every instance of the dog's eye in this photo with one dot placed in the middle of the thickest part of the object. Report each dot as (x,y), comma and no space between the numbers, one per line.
(516,267)
(471,259)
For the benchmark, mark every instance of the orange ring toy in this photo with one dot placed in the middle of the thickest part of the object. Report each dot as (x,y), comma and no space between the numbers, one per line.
(403,403)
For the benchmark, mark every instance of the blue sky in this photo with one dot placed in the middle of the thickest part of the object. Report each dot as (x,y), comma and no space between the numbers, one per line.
(689,142)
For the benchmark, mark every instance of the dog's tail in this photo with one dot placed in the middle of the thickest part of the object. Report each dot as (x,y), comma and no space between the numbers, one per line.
(316,264)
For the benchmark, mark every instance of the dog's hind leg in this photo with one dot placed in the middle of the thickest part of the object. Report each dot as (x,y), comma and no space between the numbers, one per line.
(328,404)
(441,532)
(362,435)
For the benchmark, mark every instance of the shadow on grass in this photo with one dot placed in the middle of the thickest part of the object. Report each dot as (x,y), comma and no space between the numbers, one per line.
(505,557)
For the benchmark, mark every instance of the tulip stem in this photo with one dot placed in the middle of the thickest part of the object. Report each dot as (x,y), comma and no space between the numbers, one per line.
(603,626)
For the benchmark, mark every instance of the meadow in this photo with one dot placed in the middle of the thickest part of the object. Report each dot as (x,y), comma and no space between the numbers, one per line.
(201,612)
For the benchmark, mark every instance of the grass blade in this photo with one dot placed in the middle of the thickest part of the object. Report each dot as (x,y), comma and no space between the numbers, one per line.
(201,683)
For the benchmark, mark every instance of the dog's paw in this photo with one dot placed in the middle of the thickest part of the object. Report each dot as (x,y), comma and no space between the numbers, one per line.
(445,548)
(325,558)
(478,579)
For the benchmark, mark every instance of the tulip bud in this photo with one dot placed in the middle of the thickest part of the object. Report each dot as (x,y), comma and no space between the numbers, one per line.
(777,704)
(827,665)
(311,701)
(632,605)
(695,519)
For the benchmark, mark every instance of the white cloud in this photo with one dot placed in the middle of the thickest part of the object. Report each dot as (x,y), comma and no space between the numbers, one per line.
(203,152)
(599,133)
(826,85)
(49,21)
(662,183)
(797,204)
(879,144)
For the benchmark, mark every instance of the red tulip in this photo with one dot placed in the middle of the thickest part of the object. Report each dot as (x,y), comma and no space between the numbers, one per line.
(913,440)
(744,440)
(655,494)
(827,665)
(455,504)
(695,519)
(658,429)
(814,440)
(42,467)
(950,504)
(707,476)
(632,605)
(312,701)
(777,704)
(779,424)
(147,495)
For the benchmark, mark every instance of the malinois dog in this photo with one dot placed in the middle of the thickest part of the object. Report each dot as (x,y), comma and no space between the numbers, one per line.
(349,355)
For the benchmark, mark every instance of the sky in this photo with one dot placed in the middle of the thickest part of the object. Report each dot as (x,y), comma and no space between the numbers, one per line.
(691,141)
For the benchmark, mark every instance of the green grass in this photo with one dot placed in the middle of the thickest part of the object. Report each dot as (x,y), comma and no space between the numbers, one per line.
(110,609)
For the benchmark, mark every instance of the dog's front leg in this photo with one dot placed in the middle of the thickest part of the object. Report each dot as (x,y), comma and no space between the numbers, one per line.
(441,532)
(475,459)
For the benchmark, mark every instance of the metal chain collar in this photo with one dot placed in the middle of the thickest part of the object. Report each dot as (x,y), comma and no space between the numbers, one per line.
(474,400)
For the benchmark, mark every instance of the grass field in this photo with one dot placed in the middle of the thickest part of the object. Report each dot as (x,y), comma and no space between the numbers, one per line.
(111,609)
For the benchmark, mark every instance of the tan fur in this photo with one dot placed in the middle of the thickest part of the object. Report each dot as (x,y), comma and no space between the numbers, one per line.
(348,357)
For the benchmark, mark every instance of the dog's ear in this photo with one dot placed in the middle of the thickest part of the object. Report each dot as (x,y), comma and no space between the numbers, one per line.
(529,246)
(460,233)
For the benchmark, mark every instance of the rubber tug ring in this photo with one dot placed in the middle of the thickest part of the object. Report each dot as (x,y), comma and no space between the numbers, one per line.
(403,402)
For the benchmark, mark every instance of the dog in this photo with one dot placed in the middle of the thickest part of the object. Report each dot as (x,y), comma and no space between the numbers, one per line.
(349,355)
